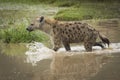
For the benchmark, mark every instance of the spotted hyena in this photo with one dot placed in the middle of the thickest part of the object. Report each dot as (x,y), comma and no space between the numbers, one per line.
(69,32)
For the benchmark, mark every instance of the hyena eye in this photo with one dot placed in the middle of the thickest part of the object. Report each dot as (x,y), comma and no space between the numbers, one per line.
(41,18)
(32,24)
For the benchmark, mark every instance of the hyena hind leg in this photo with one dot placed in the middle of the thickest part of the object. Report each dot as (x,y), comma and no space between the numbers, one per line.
(88,46)
(99,44)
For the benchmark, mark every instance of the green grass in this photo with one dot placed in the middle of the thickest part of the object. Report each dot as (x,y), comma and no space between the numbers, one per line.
(89,11)
(28,1)
(57,2)
(19,34)
(13,22)
(80,10)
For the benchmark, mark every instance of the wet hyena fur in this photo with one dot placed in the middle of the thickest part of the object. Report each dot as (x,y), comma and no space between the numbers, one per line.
(69,32)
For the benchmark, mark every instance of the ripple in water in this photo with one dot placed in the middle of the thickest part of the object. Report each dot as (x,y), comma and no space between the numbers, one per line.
(37,51)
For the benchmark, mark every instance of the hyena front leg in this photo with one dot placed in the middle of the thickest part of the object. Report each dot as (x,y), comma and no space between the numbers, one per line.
(67,46)
(57,43)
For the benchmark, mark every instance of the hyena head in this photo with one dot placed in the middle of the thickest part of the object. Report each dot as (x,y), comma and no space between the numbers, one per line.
(42,23)
(38,23)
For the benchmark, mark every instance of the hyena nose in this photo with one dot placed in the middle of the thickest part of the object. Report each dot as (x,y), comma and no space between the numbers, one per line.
(27,29)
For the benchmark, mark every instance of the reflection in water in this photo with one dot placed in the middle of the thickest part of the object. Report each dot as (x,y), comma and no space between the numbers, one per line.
(50,65)
(37,51)
(71,65)
(77,66)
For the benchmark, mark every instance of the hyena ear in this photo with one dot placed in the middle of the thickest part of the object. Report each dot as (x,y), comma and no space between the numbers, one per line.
(41,18)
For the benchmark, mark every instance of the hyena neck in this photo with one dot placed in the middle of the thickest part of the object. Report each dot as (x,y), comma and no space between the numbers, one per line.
(51,22)
(48,25)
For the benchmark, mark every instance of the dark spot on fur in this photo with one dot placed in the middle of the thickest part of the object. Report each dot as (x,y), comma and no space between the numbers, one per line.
(74,34)
(73,28)
(66,25)
(80,34)
(89,29)
(54,26)
(70,30)
(94,29)
(63,32)
(78,27)
(68,35)
(66,32)
(58,29)
(65,29)
(75,22)
(82,26)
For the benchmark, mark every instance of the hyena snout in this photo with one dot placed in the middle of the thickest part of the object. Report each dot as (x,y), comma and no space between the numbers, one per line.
(29,28)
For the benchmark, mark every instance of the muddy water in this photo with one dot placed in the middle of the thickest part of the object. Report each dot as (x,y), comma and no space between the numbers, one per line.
(35,61)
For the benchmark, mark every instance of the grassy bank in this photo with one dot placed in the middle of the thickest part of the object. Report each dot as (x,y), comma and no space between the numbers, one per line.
(58,2)
(87,11)
(79,9)
(14,18)
(20,35)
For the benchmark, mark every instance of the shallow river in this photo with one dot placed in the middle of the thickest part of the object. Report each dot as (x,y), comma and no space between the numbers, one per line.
(35,61)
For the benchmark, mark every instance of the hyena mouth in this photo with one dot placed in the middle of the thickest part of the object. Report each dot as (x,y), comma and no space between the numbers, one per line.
(28,29)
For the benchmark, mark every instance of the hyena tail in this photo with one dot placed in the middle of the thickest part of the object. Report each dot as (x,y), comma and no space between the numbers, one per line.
(104,39)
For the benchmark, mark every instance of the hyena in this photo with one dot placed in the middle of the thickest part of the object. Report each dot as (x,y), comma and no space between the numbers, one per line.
(69,32)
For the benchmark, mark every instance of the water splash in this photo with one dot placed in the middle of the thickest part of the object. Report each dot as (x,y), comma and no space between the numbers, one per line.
(114,48)
(37,51)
